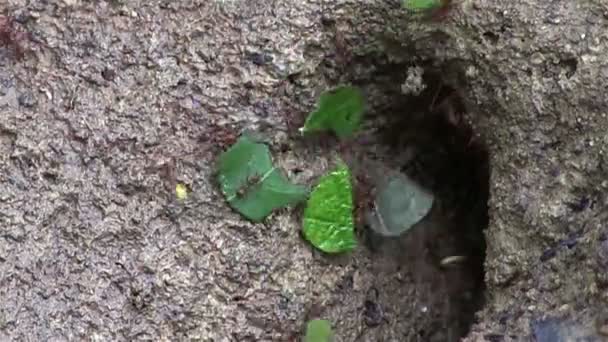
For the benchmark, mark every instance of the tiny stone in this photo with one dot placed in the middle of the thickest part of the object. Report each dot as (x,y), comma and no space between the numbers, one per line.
(414,84)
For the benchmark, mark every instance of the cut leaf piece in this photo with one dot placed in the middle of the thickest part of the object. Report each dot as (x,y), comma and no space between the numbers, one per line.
(318,330)
(181,191)
(250,183)
(400,203)
(339,110)
(328,217)
(422,5)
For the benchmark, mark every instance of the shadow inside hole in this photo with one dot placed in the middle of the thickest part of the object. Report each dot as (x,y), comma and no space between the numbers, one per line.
(426,136)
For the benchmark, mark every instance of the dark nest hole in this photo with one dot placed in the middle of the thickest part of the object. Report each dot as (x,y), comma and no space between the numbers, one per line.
(427,137)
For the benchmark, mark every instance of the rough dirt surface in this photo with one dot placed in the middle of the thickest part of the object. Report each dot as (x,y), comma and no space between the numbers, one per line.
(538,73)
(115,101)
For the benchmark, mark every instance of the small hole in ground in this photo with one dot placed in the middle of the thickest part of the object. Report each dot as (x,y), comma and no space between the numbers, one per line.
(491,37)
(427,137)
(569,65)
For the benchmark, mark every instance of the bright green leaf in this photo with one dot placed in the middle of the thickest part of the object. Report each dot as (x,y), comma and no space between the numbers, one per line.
(400,203)
(422,5)
(250,183)
(318,330)
(340,110)
(328,217)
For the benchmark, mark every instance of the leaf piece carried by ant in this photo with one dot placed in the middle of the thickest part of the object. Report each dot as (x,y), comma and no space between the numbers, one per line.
(422,5)
(339,110)
(250,183)
(318,330)
(433,10)
(328,217)
(400,203)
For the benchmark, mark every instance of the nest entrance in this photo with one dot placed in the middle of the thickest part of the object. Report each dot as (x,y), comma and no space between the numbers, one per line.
(426,136)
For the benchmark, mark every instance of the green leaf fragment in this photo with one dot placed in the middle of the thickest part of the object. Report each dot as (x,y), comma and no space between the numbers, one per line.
(422,5)
(339,110)
(250,183)
(319,330)
(328,217)
(400,203)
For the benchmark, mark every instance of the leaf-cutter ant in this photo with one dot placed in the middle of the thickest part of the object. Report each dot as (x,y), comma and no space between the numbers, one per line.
(250,182)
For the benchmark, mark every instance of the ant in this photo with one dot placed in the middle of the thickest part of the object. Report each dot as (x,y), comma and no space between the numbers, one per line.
(215,137)
(11,36)
(250,182)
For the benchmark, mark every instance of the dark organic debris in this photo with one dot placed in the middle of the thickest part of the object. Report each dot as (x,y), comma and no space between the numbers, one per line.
(373,314)
(11,35)
(108,74)
(580,205)
(494,337)
(27,99)
(548,254)
(259,59)
(570,242)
